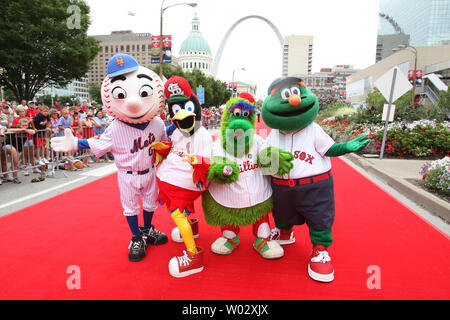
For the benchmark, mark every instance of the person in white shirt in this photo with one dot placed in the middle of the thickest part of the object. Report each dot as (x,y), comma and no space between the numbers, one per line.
(306,193)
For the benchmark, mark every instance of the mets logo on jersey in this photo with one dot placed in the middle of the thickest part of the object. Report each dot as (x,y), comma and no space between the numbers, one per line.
(138,145)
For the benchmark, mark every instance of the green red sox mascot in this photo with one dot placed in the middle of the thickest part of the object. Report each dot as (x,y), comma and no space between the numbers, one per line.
(306,193)
(238,193)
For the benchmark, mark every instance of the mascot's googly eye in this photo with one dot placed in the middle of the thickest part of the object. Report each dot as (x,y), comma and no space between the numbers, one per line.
(285,93)
(237,112)
(176,108)
(189,106)
(295,90)
(246,113)
(145,91)
(119,93)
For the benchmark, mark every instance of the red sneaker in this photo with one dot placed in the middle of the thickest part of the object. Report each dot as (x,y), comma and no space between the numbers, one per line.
(176,236)
(187,264)
(320,267)
(282,236)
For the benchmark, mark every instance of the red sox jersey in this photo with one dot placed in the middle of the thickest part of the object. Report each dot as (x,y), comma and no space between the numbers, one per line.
(252,186)
(308,146)
(173,169)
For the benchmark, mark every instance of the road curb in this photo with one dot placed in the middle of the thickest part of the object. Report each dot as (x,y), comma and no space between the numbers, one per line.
(421,197)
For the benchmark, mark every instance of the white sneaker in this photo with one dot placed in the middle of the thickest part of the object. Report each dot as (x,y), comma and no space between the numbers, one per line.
(268,249)
(36,170)
(25,173)
(219,246)
(176,236)
(46,161)
(41,162)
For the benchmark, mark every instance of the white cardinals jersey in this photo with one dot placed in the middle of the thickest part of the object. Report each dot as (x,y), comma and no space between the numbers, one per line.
(252,186)
(308,146)
(130,146)
(173,169)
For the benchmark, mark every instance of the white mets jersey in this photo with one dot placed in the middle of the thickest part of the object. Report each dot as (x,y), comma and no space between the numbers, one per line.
(173,169)
(308,146)
(130,145)
(252,186)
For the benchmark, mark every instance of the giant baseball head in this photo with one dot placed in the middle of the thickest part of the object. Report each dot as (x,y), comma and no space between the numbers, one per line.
(130,92)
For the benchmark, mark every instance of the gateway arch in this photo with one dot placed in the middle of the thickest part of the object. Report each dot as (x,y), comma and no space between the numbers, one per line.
(227,35)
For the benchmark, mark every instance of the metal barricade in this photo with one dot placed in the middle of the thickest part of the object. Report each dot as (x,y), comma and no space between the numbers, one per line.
(25,153)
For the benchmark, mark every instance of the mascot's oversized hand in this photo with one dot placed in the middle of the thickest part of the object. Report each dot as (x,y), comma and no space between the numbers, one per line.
(200,166)
(162,150)
(65,144)
(357,144)
(275,161)
(222,170)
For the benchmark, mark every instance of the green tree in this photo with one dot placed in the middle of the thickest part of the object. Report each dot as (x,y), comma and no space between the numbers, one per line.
(216,92)
(95,92)
(44,42)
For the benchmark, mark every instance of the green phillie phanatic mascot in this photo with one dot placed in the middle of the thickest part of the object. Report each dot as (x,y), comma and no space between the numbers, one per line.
(306,193)
(238,193)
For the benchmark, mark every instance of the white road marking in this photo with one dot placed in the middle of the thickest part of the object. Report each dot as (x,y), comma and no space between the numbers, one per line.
(100,172)
(34,195)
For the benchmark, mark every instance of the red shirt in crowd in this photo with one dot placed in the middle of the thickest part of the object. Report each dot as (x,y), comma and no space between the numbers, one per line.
(32,112)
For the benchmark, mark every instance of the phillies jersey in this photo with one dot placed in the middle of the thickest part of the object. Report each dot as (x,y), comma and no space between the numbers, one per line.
(173,169)
(130,145)
(252,186)
(308,146)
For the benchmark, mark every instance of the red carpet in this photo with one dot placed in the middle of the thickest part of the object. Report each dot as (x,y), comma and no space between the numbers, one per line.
(85,227)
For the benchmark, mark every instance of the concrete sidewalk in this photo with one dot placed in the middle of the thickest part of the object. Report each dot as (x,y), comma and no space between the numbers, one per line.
(403,176)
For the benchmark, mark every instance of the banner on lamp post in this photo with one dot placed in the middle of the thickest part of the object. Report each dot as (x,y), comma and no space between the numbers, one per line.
(155,49)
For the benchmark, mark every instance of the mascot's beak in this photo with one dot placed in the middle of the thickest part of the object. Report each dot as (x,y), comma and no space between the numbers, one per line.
(182,114)
(184,120)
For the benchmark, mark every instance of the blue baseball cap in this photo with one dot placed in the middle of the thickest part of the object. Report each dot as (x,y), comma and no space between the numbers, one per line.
(282,80)
(121,63)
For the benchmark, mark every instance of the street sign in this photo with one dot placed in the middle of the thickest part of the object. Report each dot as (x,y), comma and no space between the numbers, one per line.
(384,84)
(391,112)
(201,94)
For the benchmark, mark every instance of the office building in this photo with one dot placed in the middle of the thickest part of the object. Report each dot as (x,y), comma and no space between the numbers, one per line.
(77,88)
(297,55)
(386,43)
(135,44)
(427,22)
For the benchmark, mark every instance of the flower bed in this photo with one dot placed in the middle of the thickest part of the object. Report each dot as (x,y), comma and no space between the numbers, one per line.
(423,138)
(436,175)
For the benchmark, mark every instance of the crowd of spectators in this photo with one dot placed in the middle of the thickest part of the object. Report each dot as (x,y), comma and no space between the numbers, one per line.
(26,130)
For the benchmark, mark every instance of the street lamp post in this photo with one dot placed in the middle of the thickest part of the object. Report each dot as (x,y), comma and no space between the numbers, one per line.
(232,78)
(161,31)
(415,68)
(415,73)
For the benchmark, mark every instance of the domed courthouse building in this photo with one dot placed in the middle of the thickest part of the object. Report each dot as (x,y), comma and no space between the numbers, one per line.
(195,52)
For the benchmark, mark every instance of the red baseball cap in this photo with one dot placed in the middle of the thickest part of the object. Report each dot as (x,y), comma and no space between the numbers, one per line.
(177,89)
(247,96)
